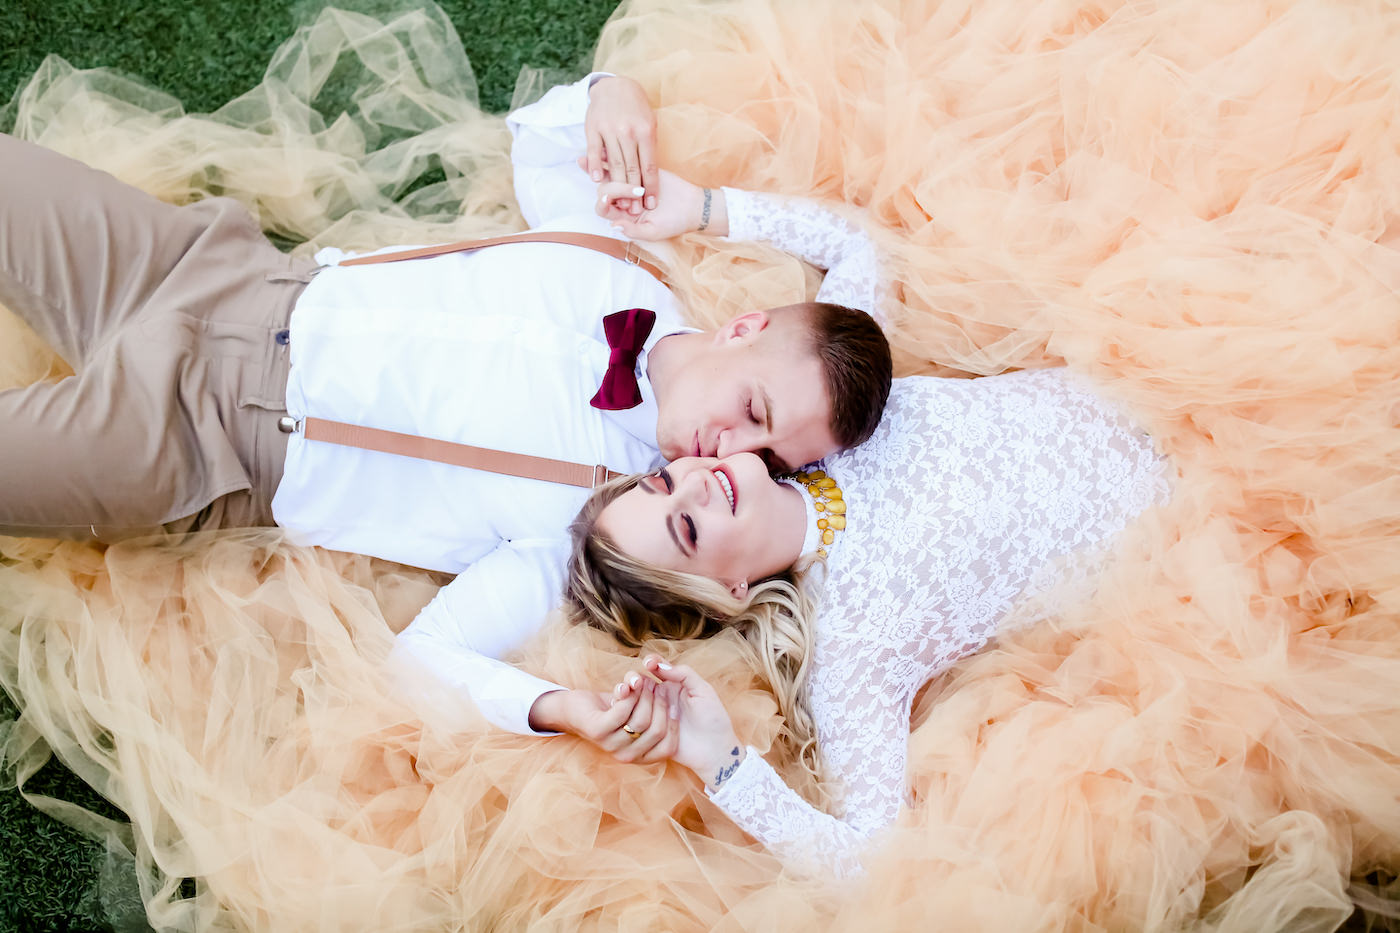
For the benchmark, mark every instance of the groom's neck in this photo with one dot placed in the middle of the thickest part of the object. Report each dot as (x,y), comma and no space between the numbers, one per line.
(669,356)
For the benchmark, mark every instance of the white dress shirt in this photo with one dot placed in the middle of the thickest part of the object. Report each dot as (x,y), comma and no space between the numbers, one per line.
(502,348)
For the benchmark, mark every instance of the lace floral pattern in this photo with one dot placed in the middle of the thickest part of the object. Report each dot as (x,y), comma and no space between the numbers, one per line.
(818,236)
(973,498)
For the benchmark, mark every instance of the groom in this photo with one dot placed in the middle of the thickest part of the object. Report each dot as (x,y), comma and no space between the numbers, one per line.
(196,344)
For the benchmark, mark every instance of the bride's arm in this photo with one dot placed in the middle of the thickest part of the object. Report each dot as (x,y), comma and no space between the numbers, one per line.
(807,229)
(815,234)
(864,746)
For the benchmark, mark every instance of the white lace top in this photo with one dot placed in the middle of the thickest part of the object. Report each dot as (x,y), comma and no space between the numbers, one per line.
(972,497)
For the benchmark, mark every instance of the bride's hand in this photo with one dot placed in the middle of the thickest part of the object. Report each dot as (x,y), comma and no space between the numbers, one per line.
(706,743)
(649,733)
(680,208)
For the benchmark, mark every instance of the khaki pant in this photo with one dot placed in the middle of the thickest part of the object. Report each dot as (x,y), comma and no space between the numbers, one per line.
(174,321)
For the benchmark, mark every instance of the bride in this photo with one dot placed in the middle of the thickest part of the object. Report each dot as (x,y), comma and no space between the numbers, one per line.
(975,506)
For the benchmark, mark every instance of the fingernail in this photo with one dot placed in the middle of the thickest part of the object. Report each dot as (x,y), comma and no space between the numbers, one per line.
(663,665)
(651,203)
(638,191)
(632,680)
(597,175)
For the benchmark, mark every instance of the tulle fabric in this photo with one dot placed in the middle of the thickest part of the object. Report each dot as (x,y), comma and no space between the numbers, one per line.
(1196,204)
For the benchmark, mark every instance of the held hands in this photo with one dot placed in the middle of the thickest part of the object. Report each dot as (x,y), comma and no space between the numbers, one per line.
(680,208)
(643,722)
(704,739)
(621,131)
(636,729)
(640,200)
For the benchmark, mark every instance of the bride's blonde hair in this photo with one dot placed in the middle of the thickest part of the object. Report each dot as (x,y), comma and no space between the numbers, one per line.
(634,602)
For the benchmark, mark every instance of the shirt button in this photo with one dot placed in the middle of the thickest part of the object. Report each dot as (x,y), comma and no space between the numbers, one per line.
(283,338)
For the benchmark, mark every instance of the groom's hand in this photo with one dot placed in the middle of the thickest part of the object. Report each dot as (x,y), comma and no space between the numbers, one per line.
(632,723)
(621,131)
(585,713)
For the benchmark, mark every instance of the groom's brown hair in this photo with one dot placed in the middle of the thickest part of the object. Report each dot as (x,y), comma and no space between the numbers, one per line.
(855,358)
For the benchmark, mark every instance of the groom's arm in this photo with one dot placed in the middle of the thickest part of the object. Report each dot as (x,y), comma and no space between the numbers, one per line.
(451,652)
(486,613)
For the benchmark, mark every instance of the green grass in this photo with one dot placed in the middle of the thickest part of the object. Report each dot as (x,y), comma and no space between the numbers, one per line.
(205,54)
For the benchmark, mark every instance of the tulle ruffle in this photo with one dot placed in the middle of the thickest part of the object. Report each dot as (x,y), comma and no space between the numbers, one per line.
(1196,204)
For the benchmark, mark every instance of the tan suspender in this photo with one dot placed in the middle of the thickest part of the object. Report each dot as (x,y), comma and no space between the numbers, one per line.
(624,250)
(464,455)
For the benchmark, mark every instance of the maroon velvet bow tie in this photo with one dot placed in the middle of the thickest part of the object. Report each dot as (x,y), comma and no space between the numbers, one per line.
(627,333)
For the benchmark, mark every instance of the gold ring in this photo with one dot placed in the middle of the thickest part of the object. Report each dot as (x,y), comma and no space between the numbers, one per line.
(629,730)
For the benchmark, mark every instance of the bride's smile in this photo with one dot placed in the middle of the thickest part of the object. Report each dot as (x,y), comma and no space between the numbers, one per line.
(724,519)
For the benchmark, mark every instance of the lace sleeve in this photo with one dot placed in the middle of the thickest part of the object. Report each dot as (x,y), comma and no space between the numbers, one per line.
(865,742)
(818,236)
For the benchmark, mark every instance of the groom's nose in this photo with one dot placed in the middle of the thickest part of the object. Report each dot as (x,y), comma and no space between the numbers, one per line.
(733,441)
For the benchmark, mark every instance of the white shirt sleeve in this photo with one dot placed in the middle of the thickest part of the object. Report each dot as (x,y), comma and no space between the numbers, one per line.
(549,138)
(818,236)
(489,610)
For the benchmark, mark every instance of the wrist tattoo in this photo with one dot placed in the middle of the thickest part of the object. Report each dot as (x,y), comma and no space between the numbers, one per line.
(705,209)
(724,773)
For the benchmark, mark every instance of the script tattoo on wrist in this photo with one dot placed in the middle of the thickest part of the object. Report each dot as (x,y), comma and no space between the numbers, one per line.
(724,773)
(705,209)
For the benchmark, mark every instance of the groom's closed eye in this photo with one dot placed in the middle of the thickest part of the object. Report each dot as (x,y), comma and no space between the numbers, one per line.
(760,410)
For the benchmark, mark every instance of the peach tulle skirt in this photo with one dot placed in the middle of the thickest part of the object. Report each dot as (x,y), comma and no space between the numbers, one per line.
(1198,204)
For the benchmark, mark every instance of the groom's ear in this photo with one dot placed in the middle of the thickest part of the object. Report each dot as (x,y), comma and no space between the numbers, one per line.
(743,328)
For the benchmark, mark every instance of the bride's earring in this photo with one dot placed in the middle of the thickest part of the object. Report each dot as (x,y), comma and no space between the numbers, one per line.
(739,589)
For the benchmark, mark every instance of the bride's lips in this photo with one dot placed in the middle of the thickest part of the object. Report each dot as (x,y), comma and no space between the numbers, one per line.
(733,487)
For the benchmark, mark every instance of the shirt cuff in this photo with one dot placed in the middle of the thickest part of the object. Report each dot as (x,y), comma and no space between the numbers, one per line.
(565,105)
(440,678)
(511,710)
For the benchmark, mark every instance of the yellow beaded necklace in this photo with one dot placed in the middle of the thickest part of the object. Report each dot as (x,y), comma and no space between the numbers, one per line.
(829,501)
